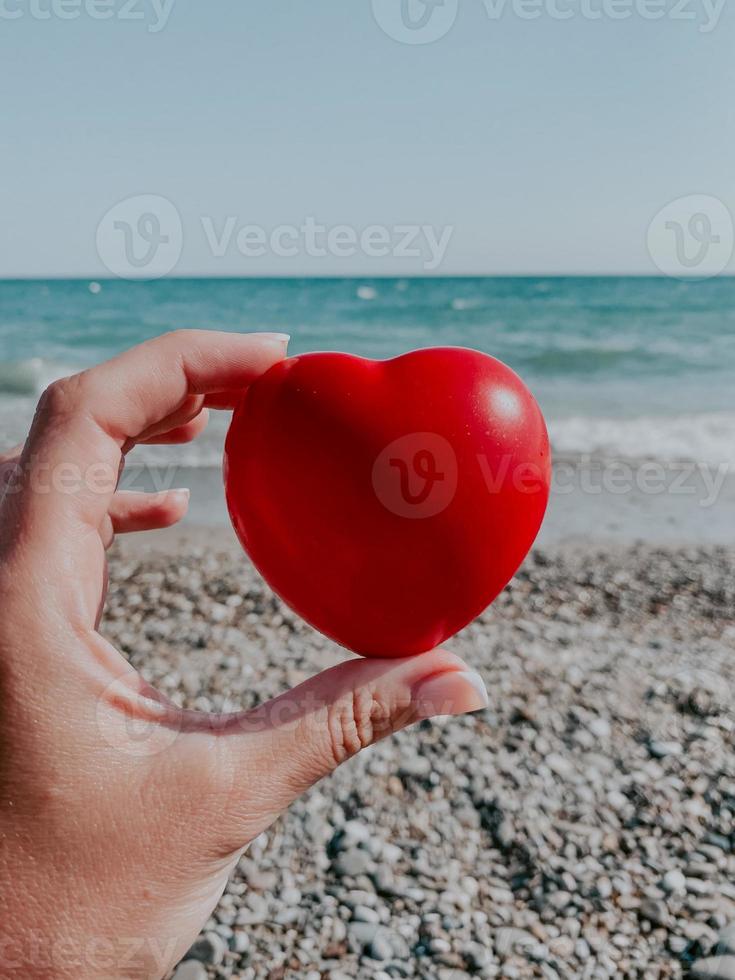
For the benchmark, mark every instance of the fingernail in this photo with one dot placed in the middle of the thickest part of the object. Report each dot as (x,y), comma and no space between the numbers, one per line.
(183,491)
(455,692)
(281,338)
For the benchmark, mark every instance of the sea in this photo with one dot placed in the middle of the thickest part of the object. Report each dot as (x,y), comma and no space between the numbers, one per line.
(632,368)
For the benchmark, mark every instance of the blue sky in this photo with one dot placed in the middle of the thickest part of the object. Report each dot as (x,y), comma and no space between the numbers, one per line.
(543,145)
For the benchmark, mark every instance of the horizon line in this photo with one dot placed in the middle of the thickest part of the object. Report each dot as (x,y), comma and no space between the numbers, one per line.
(380,276)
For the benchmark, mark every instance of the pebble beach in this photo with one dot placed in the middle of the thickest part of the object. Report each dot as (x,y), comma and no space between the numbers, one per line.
(582,826)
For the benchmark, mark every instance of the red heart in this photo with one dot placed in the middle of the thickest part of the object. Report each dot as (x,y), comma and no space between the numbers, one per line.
(388,502)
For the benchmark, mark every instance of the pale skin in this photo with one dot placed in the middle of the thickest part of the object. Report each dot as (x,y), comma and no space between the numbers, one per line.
(121,815)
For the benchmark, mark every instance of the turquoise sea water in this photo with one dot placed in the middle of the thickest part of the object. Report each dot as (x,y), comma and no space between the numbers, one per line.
(630,367)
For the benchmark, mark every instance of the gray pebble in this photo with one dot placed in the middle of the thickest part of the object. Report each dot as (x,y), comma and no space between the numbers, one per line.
(190,970)
(477,955)
(674,881)
(360,935)
(353,862)
(726,939)
(361,913)
(654,911)
(508,939)
(415,765)
(661,750)
(241,942)
(600,728)
(714,968)
(380,947)
(209,948)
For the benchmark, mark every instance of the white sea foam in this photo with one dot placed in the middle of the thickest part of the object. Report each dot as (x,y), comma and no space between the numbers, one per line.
(29,377)
(707,438)
(462,303)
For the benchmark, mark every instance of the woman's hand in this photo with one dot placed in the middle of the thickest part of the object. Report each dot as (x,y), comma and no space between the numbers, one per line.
(115,847)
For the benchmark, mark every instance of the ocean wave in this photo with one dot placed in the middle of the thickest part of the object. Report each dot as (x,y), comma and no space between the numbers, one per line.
(204,453)
(30,377)
(462,303)
(707,438)
(704,437)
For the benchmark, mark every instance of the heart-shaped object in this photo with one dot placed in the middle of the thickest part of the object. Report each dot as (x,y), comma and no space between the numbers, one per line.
(388,502)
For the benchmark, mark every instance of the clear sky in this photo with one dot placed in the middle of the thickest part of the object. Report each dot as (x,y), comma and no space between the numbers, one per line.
(544,145)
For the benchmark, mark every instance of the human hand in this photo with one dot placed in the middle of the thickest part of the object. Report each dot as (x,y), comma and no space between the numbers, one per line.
(113,850)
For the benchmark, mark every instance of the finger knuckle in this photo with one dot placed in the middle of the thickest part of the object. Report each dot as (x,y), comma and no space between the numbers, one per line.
(57,397)
(177,344)
(65,395)
(182,336)
(353,723)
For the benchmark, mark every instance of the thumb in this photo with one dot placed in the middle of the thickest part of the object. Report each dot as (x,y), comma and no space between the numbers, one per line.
(286,745)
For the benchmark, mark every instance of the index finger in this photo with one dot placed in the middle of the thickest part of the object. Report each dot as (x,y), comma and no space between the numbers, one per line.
(71,461)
